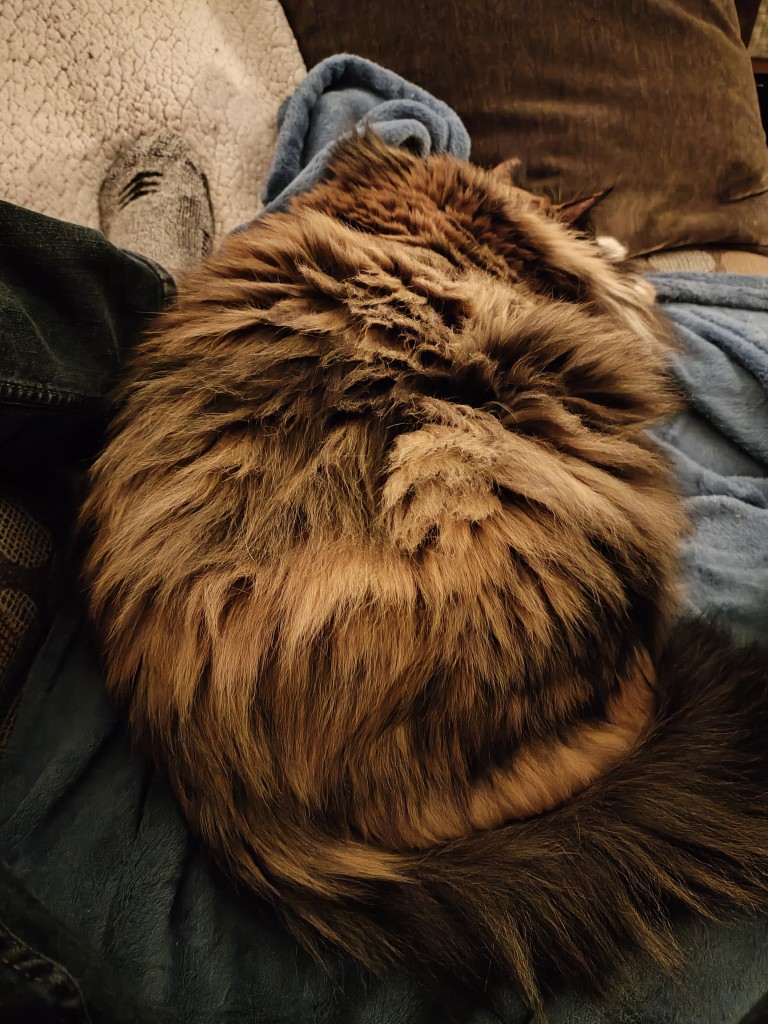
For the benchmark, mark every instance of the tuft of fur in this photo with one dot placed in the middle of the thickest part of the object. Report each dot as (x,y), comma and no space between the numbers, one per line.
(383,561)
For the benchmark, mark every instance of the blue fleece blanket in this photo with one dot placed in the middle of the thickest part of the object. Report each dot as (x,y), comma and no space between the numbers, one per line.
(720,445)
(346,94)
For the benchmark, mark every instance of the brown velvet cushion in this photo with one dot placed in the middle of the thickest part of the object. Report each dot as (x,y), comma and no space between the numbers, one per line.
(652,98)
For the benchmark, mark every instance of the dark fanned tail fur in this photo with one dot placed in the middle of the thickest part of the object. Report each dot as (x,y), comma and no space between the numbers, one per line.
(383,559)
(681,823)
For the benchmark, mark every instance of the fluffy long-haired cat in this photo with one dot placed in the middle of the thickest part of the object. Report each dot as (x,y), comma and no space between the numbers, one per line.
(383,562)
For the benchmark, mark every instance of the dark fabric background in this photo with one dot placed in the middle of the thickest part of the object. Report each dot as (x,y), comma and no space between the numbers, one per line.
(653,98)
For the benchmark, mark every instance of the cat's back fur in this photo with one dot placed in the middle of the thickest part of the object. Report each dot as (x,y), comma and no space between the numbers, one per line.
(383,560)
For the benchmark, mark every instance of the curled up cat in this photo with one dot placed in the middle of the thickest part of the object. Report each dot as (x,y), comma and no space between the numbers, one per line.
(383,563)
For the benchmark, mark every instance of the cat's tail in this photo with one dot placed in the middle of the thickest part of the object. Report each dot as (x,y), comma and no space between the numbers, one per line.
(681,821)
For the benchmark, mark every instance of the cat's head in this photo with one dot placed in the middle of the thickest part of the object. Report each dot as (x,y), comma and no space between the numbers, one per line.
(365,175)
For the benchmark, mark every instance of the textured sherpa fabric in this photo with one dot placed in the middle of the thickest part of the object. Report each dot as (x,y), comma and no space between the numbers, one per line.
(346,93)
(81,79)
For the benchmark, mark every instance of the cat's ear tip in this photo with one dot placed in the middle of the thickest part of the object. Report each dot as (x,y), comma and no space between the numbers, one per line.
(508,170)
(575,211)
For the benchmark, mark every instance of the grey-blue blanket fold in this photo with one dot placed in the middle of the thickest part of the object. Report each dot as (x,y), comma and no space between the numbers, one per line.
(720,445)
(346,94)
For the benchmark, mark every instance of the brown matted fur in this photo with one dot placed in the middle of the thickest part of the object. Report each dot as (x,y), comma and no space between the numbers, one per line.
(383,563)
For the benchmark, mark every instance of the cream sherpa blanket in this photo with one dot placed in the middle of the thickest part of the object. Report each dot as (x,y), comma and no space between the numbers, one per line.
(80,78)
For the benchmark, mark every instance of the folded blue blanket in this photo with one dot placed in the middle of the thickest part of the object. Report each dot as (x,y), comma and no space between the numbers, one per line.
(346,94)
(720,445)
